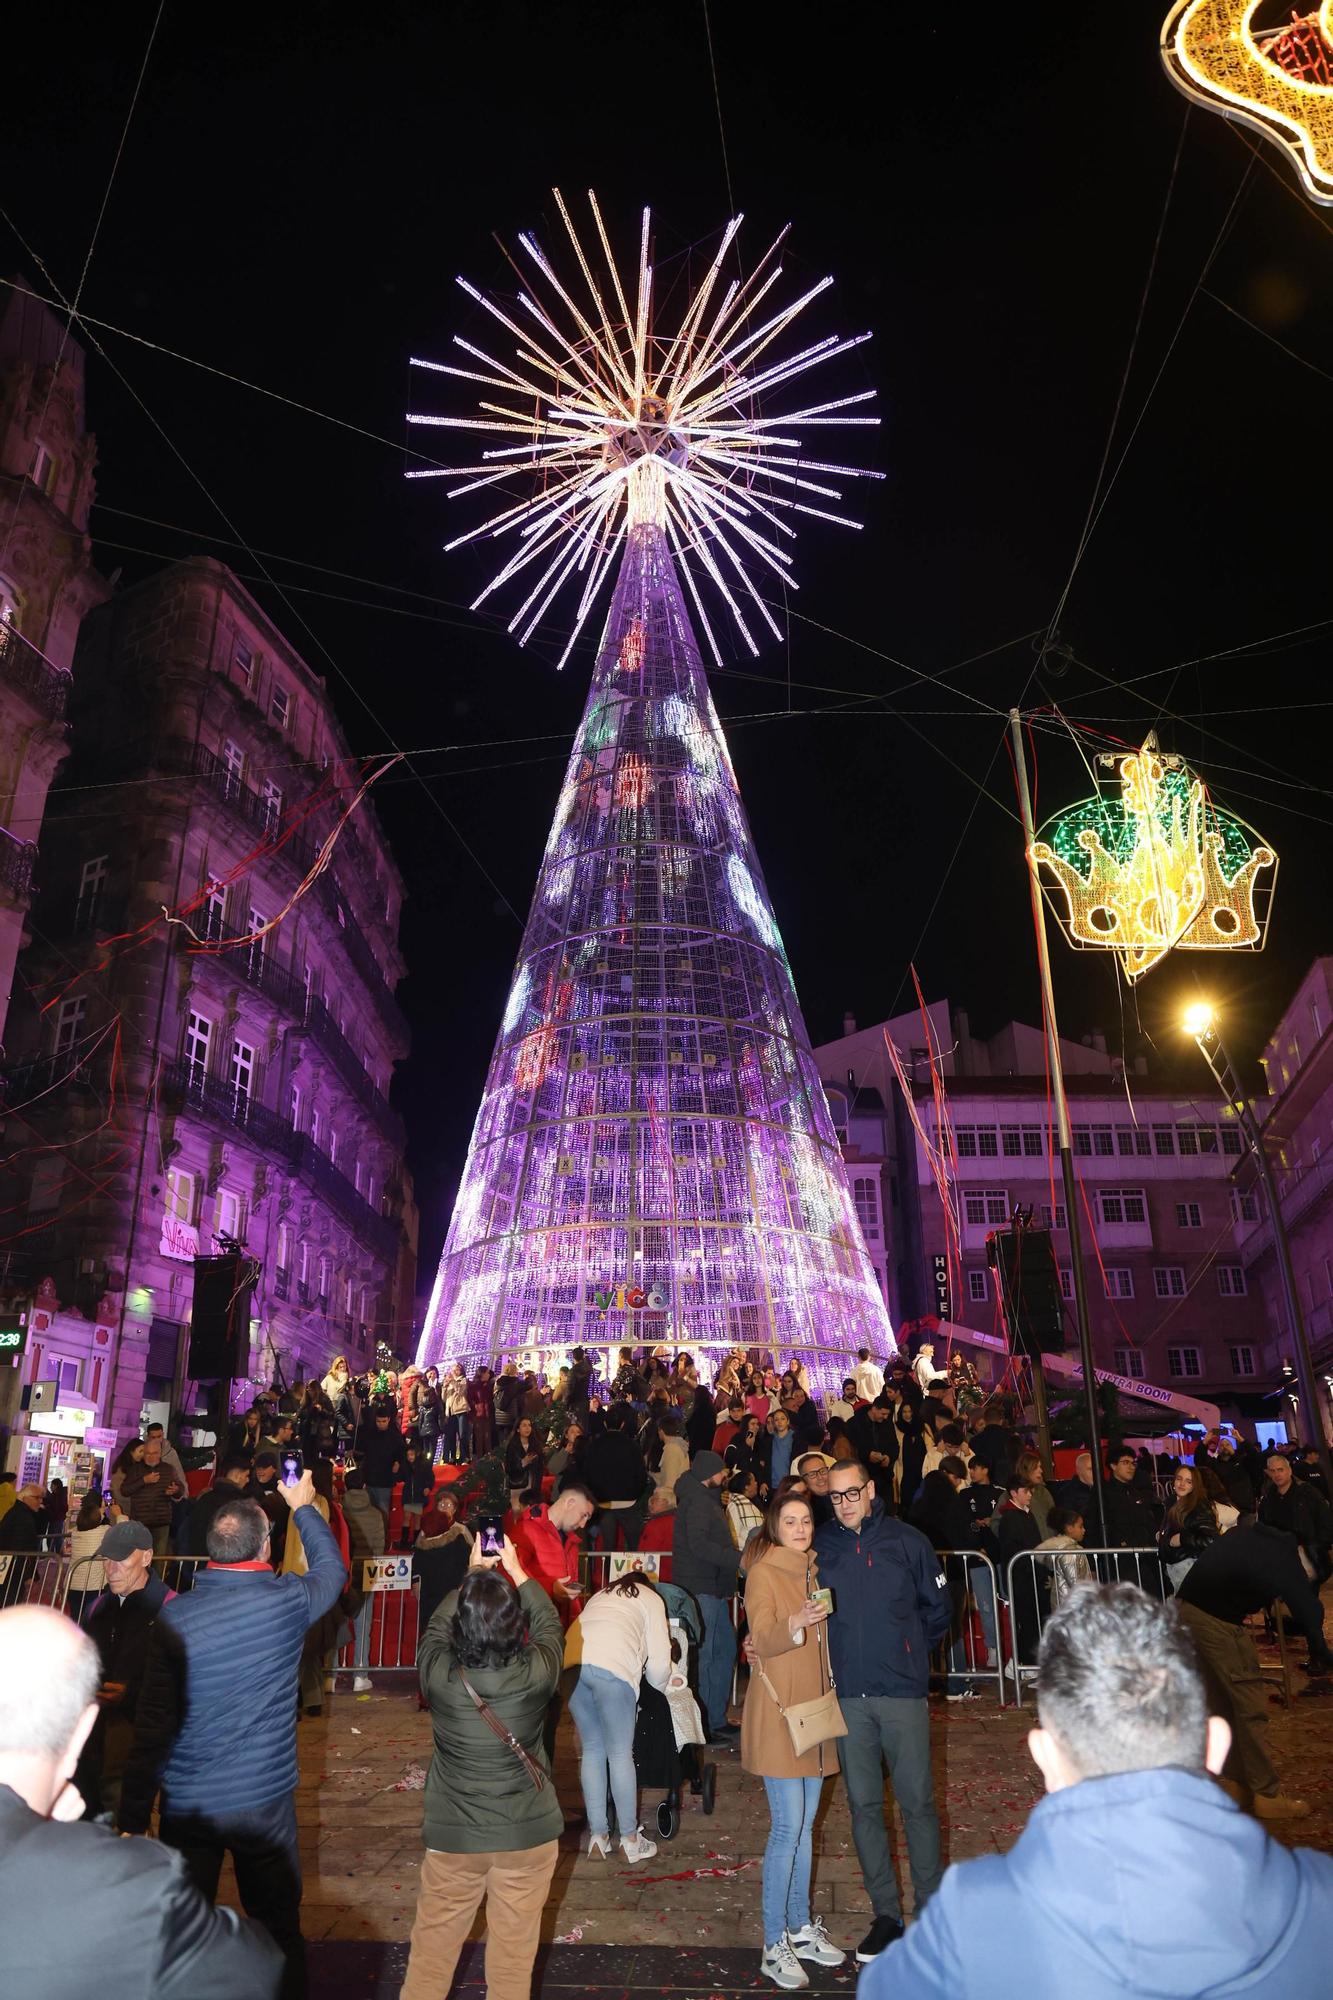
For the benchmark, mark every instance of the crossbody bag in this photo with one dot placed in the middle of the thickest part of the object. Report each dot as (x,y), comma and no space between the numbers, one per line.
(810,1723)
(506,1736)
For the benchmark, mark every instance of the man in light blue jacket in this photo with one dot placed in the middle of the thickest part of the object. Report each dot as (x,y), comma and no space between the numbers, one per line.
(1136,1877)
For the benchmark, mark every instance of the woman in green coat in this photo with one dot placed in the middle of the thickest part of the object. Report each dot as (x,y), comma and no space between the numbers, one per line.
(492,1821)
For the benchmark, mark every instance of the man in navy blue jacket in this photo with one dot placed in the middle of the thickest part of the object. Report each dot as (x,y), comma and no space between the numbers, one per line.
(1136,1875)
(891,1608)
(217,1715)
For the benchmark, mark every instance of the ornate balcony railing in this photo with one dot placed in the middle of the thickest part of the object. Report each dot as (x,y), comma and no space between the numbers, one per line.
(18,858)
(328,1036)
(186,1086)
(23,667)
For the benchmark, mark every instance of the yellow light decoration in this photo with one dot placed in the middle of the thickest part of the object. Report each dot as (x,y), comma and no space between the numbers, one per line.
(1278,81)
(1159,869)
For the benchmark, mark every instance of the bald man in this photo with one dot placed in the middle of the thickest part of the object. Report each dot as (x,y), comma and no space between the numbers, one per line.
(130,1923)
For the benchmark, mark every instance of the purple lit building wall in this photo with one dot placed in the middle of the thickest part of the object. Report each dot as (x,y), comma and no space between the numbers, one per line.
(653,1159)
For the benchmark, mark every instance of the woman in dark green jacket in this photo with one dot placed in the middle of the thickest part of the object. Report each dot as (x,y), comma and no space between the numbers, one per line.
(492,1822)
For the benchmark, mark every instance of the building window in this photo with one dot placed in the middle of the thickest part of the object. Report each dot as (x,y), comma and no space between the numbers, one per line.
(270,800)
(357,1172)
(1186,1141)
(1231,1280)
(988,1145)
(314,1124)
(1169,1281)
(1083,1141)
(1242,1360)
(1244,1205)
(294,1107)
(213,911)
(1182,1362)
(1054,1218)
(180,1195)
(1129,1361)
(965,1137)
(284,1246)
(988,1205)
(69,1023)
(43,469)
(231,1215)
(867,1208)
(1164,1141)
(1231,1141)
(254,952)
(1103,1142)
(243,660)
(48,1179)
(303,1264)
(92,881)
(1011,1142)
(242,1072)
(977,1288)
(349,1295)
(198,1033)
(233,760)
(1207,1136)
(1188,1215)
(1034,1142)
(1066,1282)
(280,706)
(1119,1282)
(325,1277)
(1122,1205)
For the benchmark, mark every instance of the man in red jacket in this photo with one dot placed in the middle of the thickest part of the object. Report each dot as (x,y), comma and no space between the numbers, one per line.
(549,1540)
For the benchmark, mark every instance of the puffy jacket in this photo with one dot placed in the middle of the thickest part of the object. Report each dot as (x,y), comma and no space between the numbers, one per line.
(120,1628)
(147,1492)
(479,1798)
(892,1605)
(129,1922)
(547,1556)
(217,1712)
(1149,1885)
(704,1558)
(613,1466)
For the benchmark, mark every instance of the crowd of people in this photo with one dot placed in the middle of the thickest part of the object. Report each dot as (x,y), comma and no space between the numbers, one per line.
(846,1544)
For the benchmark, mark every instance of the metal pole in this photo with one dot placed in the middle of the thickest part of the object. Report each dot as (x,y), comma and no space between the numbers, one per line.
(1043,1421)
(1224,1076)
(1062,1127)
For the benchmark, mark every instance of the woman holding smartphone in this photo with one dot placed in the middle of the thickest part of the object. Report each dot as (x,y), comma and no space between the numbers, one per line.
(523,1465)
(789,1664)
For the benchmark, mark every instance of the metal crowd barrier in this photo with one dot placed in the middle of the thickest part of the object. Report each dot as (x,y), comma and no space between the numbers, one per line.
(1027,1581)
(973,1593)
(386,1629)
(64,1584)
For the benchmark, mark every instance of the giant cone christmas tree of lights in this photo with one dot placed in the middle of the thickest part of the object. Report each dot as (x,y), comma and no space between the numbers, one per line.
(653,1159)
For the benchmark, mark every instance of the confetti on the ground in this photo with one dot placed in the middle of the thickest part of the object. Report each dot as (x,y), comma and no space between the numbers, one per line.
(412,1780)
(571,1937)
(698,1874)
(364,1697)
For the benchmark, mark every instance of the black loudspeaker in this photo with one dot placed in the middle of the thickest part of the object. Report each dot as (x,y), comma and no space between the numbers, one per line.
(220,1319)
(1029,1281)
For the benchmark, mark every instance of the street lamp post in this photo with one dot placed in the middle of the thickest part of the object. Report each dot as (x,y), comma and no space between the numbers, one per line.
(1201,1022)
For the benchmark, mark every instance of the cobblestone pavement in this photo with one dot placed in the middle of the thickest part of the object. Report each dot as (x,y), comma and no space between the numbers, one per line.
(687,1922)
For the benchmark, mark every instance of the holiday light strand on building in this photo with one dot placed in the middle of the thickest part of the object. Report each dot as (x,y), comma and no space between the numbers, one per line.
(1277,80)
(1159,869)
(625,423)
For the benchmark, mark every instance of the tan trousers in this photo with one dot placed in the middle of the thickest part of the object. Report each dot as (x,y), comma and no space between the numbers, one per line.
(1237,1691)
(515,1886)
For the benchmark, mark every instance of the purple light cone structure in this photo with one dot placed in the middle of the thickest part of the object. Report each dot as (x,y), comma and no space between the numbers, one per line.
(653,1118)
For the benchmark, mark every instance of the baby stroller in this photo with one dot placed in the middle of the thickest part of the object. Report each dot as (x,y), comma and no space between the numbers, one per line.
(658,1760)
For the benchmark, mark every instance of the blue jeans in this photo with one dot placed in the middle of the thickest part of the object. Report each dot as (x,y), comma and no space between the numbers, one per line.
(603,1709)
(792,1805)
(717,1659)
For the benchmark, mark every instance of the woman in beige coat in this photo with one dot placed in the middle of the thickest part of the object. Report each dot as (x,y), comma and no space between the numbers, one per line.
(789,1663)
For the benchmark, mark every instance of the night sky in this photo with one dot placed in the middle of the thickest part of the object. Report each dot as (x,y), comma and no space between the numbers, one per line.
(300,186)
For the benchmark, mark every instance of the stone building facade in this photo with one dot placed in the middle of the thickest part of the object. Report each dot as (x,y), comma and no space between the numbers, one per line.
(47,583)
(200,1088)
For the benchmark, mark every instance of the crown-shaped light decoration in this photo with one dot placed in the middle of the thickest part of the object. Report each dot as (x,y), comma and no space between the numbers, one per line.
(1159,869)
(1278,80)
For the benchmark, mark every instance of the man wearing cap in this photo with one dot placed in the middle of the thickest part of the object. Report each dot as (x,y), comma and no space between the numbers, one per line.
(704,1561)
(119,1624)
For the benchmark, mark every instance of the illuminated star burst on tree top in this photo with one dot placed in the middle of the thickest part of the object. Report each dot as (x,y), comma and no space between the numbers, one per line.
(613,423)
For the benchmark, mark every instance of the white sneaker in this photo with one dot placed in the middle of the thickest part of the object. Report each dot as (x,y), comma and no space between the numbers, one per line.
(813,1942)
(780,1964)
(362,1684)
(636,1848)
(964,1694)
